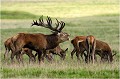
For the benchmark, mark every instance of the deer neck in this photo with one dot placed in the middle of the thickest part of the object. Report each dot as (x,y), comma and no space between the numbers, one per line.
(52,41)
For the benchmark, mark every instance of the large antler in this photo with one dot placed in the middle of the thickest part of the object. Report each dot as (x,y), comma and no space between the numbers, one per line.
(59,25)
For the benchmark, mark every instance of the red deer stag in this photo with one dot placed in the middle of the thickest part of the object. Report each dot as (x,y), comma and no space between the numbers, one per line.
(40,42)
(82,43)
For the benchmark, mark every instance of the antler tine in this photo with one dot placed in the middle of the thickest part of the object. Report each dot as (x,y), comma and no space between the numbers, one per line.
(57,20)
(62,25)
(41,22)
(57,24)
(49,21)
(58,28)
(35,23)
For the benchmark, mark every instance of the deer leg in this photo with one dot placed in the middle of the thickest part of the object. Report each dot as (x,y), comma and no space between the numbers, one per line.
(72,53)
(6,53)
(30,57)
(39,56)
(21,58)
(77,54)
(81,54)
(12,57)
(44,54)
(108,57)
(88,52)
(93,51)
(18,58)
(102,58)
(85,57)
(88,57)
(51,57)
(95,58)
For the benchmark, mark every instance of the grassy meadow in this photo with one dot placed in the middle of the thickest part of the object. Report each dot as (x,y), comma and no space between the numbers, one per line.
(82,17)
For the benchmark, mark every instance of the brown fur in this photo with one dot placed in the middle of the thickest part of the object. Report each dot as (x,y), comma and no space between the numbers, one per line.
(75,42)
(59,51)
(82,43)
(56,51)
(29,53)
(10,47)
(102,48)
(91,45)
(38,42)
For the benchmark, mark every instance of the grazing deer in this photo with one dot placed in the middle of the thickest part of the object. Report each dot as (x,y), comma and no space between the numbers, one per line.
(10,47)
(59,51)
(40,42)
(82,43)
(102,49)
(56,51)
(29,53)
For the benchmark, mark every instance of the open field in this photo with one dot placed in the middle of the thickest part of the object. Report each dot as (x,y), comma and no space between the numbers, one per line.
(84,17)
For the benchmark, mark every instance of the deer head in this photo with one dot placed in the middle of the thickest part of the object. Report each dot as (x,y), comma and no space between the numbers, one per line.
(63,53)
(62,36)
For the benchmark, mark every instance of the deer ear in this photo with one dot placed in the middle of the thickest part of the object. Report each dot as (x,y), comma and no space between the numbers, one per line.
(66,49)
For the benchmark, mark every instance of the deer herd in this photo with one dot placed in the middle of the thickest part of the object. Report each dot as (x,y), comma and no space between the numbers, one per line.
(46,46)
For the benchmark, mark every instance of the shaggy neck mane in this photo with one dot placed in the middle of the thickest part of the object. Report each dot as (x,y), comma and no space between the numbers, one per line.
(52,41)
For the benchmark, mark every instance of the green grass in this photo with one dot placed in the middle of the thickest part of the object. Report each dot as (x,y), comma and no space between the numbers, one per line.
(61,70)
(69,73)
(16,15)
(64,9)
(82,17)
